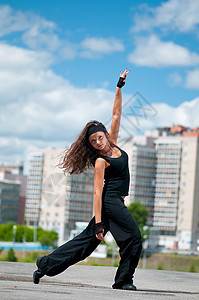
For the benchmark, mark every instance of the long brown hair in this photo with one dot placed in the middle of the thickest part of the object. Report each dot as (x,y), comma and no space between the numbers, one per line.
(81,155)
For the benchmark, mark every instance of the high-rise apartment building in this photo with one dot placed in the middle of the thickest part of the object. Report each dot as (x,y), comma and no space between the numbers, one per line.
(34,187)
(164,177)
(142,187)
(14,173)
(167,188)
(56,201)
(79,202)
(9,200)
(53,194)
(176,203)
(188,206)
(142,165)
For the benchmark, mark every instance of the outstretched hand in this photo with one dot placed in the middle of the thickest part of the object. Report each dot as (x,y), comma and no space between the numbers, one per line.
(123,75)
(122,78)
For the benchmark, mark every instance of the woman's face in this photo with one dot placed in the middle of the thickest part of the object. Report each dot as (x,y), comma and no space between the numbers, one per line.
(98,140)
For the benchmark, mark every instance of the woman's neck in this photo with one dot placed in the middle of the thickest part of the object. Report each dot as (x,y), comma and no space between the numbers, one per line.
(107,151)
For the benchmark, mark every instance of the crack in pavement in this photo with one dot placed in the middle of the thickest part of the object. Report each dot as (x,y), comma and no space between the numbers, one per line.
(86,285)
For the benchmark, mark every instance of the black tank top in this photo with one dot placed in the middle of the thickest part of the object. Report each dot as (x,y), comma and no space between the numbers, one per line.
(116,175)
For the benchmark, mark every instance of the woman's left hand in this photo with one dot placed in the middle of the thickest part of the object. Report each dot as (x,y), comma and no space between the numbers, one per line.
(100,236)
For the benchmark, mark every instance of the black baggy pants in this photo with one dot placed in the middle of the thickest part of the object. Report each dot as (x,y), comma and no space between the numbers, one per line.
(121,224)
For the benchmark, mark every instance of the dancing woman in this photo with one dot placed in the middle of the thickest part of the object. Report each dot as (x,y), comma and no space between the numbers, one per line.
(95,146)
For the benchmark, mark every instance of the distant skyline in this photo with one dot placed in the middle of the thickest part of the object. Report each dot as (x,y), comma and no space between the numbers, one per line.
(60,62)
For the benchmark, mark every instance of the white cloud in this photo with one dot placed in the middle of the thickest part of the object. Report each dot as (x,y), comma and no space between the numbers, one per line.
(174,79)
(192,80)
(18,59)
(11,21)
(15,149)
(95,46)
(36,32)
(41,107)
(152,52)
(40,34)
(35,39)
(69,50)
(185,114)
(180,15)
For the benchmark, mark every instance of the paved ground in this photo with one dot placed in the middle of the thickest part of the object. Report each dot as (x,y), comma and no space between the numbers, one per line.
(88,282)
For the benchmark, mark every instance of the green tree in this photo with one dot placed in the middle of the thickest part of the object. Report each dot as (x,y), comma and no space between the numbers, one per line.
(24,232)
(140,215)
(47,238)
(6,233)
(29,234)
(11,255)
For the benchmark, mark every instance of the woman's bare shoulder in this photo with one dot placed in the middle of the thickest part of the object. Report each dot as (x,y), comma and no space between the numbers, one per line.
(100,162)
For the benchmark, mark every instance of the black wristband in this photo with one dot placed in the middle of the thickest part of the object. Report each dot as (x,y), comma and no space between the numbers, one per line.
(99,228)
(121,82)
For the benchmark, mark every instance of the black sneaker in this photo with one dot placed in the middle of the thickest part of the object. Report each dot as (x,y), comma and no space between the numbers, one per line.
(129,287)
(36,276)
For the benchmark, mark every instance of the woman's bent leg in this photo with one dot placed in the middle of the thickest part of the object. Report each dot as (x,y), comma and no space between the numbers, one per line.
(69,253)
(128,238)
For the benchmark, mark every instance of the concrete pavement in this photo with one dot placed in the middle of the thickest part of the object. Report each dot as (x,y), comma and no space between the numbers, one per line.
(91,282)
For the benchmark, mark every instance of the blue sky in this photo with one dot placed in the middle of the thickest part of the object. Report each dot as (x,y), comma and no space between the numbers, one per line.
(60,61)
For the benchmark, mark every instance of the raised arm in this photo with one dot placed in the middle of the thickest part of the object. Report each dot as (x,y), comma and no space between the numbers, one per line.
(117,107)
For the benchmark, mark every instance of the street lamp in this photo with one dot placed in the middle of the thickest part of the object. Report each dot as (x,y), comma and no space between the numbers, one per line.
(14,233)
(35,232)
(145,246)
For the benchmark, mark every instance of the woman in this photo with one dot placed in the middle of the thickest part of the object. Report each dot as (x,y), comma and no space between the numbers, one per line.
(95,146)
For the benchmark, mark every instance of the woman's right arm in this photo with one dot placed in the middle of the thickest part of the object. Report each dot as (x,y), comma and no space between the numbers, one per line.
(98,188)
(117,107)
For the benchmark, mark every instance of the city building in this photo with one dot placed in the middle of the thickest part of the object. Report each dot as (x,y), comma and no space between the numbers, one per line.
(164,172)
(142,168)
(79,202)
(33,192)
(13,169)
(56,201)
(167,189)
(15,173)
(9,200)
(176,203)
(143,171)
(188,206)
